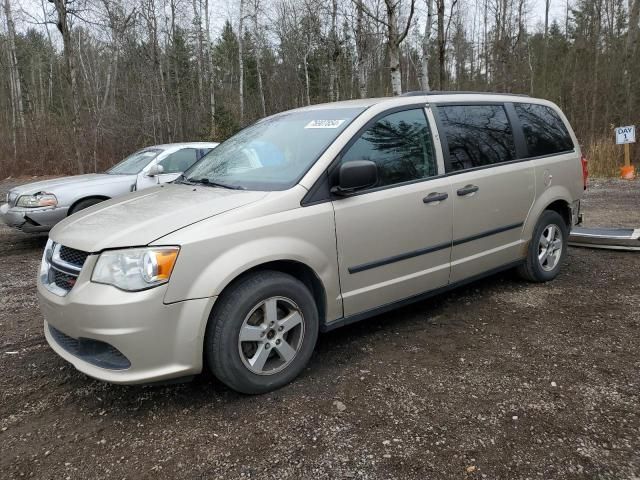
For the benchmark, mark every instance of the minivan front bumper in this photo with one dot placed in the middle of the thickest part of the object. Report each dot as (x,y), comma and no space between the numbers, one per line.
(125,337)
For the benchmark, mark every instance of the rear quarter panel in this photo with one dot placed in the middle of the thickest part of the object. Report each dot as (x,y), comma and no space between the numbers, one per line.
(557,177)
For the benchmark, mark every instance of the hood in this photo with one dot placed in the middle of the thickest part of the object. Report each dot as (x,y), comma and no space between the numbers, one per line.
(142,217)
(55,185)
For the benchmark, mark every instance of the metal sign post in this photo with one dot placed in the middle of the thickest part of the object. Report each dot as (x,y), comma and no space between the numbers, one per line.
(625,136)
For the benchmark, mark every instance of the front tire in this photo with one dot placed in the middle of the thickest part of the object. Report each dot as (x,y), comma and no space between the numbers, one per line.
(547,248)
(262,332)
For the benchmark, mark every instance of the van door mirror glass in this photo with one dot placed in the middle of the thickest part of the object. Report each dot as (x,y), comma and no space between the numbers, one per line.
(355,175)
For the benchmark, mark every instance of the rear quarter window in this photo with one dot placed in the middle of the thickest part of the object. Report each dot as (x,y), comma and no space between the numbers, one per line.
(544,131)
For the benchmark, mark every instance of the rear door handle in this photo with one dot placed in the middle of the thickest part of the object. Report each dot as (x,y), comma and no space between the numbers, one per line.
(467,190)
(435,197)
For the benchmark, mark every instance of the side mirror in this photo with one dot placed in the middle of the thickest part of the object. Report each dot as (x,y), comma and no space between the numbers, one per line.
(155,170)
(355,175)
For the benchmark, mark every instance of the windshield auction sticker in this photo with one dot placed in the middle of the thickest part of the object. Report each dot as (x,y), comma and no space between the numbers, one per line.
(324,123)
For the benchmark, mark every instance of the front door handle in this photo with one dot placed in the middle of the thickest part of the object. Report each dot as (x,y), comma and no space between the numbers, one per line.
(435,197)
(468,190)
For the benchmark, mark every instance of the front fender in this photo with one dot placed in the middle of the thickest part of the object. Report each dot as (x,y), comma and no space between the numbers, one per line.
(206,266)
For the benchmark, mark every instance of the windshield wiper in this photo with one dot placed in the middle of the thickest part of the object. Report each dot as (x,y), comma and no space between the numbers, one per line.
(182,179)
(209,183)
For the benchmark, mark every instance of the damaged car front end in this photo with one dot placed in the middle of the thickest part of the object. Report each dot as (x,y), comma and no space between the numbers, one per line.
(31,213)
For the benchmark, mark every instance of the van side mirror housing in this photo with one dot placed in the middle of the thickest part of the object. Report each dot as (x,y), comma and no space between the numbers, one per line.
(354,176)
(155,170)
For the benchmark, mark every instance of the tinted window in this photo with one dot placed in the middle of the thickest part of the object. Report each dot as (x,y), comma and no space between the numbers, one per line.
(477,135)
(179,161)
(400,144)
(544,131)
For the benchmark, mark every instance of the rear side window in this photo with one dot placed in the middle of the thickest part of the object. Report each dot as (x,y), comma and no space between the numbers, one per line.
(401,146)
(544,131)
(477,135)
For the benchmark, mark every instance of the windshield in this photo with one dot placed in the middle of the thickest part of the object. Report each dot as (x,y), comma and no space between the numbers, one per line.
(134,163)
(274,153)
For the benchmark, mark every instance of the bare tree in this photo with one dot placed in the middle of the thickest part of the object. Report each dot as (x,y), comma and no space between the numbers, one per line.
(631,48)
(212,97)
(361,51)
(63,12)
(241,61)
(257,38)
(14,78)
(395,37)
(426,47)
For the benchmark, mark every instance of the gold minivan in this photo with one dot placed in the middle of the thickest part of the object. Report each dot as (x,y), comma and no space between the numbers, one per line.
(306,221)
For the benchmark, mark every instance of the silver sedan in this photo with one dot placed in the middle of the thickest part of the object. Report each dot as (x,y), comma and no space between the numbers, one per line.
(38,206)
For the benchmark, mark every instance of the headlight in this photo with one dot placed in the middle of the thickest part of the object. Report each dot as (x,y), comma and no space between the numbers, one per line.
(38,200)
(135,268)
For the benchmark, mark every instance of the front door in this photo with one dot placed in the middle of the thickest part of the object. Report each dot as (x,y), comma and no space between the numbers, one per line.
(492,191)
(394,240)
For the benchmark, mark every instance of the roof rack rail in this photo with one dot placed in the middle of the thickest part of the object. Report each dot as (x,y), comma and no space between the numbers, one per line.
(417,93)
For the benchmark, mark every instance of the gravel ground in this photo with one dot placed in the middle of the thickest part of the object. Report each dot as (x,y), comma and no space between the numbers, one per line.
(499,380)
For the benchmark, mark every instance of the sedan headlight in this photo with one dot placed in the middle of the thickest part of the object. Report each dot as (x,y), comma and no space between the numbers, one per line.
(42,199)
(135,268)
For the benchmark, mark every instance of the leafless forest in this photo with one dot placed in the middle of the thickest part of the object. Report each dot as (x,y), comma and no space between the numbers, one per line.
(84,82)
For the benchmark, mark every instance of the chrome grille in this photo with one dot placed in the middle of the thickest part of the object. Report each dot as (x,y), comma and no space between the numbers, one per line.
(73,256)
(64,280)
(61,267)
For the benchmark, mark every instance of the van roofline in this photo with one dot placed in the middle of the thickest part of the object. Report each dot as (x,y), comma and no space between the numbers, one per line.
(420,93)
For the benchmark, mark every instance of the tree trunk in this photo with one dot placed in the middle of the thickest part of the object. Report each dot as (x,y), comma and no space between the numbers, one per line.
(361,46)
(630,51)
(333,51)
(212,83)
(442,47)
(393,48)
(241,62)
(545,52)
(14,73)
(70,65)
(596,66)
(426,47)
(305,63)
(258,45)
(197,20)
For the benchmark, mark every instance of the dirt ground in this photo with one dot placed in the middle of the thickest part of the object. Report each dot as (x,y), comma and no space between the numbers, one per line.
(499,380)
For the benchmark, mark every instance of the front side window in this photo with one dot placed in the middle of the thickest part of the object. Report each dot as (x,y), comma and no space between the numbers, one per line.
(400,144)
(179,161)
(274,153)
(544,130)
(134,163)
(477,135)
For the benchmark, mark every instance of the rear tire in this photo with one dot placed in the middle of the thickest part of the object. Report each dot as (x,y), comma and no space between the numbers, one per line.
(547,248)
(261,332)
(82,204)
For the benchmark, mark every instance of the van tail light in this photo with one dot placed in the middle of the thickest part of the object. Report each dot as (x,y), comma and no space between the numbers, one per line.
(585,171)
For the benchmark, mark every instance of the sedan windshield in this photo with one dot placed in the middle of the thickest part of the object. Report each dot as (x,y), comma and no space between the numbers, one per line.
(134,163)
(274,153)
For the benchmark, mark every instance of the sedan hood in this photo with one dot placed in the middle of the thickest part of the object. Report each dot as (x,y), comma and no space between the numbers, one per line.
(140,218)
(55,185)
